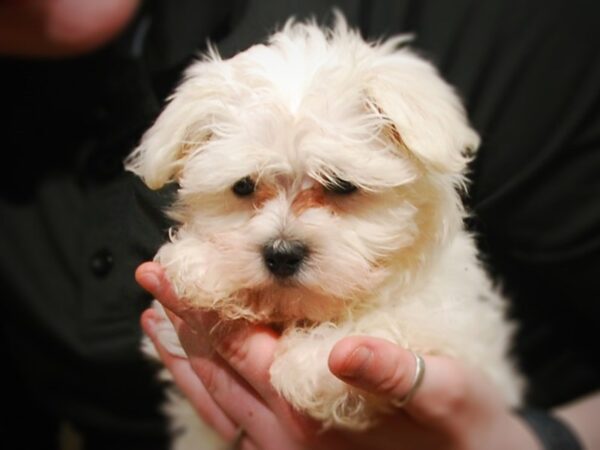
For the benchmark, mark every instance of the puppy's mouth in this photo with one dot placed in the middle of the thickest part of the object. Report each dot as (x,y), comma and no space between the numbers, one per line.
(287,300)
(286,283)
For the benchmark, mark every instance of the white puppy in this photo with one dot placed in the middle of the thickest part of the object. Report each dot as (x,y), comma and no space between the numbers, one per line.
(319,180)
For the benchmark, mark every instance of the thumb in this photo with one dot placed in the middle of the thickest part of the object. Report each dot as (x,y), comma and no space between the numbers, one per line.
(151,276)
(386,369)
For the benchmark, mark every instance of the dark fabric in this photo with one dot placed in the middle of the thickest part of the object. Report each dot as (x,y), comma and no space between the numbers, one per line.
(552,432)
(74,226)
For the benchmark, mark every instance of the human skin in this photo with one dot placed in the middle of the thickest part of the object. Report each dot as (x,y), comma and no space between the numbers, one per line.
(61,28)
(227,381)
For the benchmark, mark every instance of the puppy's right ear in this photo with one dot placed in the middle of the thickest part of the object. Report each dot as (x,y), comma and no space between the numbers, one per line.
(424,112)
(178,133)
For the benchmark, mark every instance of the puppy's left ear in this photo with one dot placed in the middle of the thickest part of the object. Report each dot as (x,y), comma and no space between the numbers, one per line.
(425,114)
(179,131)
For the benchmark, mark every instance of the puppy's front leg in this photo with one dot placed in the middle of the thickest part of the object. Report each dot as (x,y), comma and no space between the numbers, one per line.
(194,268)
(300,373)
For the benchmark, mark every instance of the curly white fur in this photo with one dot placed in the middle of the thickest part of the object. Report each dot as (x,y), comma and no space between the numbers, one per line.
(392,259)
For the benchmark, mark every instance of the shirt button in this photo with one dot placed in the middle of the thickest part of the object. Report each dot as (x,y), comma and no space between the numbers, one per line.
(101,262)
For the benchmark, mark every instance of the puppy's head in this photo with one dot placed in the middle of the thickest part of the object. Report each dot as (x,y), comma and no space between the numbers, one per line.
(312,170)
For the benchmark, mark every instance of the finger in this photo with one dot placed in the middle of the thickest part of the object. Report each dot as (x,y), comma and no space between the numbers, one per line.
(229,392)
(189,383)
(383,368)
(151,276)
(249,350)
(235,395)
(245,349)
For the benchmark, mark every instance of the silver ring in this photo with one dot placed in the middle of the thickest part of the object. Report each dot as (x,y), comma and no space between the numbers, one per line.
(417,381)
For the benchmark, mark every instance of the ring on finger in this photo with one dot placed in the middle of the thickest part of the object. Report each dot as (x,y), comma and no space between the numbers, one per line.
(417,381)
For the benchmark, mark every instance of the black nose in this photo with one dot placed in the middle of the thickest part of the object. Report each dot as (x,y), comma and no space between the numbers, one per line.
(284,258)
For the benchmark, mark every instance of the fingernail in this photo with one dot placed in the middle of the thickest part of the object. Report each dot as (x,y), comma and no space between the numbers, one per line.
(356,362)
(151,280)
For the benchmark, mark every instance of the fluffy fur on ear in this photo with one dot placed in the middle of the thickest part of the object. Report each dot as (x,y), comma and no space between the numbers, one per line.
(183,126)
(422,108)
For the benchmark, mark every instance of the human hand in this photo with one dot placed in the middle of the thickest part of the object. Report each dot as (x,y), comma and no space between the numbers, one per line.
(226,378)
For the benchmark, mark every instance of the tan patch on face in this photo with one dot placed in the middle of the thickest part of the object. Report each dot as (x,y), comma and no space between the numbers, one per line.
(313,197)
(263,193)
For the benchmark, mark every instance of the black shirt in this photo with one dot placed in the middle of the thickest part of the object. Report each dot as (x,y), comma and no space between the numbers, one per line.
(74,225)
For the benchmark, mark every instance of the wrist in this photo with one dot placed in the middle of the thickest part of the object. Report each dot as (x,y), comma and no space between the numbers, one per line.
(513,433)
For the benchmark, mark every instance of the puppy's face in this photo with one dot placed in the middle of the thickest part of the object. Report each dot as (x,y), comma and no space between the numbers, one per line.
(312,170)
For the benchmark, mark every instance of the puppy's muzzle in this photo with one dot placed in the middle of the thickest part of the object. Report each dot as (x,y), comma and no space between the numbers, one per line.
(284,258)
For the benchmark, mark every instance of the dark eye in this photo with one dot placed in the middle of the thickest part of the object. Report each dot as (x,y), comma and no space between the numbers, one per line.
(339,186)
(244,187)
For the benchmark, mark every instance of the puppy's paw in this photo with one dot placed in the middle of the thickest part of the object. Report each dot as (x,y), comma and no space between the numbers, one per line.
(301,374)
